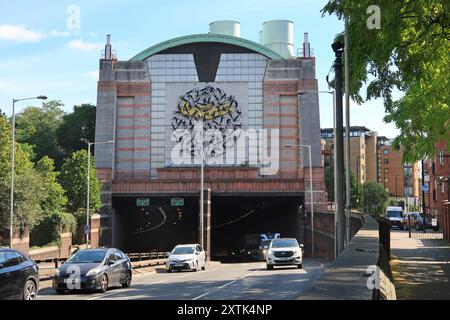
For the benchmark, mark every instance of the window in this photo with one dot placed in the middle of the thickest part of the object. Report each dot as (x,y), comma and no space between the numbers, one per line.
(408,191)
(442,187)
(119,256)
(386,180)
(386,161)
(3,258)
(386,170)
(112,258)
(441,157)
(14,259)
(385,151)
(199,249)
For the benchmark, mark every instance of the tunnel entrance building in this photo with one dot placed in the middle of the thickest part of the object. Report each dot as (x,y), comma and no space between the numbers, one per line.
(159,223)
(233,103)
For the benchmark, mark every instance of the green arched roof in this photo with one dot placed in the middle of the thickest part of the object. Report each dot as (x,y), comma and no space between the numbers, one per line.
(219,38)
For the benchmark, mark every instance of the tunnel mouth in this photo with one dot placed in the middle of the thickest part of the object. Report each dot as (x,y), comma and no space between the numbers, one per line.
(158,226)
(158,223)
(237,223)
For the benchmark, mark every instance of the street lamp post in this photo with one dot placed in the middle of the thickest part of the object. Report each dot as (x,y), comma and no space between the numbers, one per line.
(13,135)
(310,190)
(202,201)
(87,229)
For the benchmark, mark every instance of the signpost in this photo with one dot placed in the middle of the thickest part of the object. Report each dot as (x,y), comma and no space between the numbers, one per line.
(142,202)
(177,202)
(425,188)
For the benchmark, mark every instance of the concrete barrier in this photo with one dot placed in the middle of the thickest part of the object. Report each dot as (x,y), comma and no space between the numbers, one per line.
(360,271)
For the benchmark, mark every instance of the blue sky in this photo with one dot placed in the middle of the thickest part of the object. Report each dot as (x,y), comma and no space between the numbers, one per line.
(40,54)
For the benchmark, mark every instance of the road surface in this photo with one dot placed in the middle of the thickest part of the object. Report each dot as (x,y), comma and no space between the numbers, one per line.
(234,281)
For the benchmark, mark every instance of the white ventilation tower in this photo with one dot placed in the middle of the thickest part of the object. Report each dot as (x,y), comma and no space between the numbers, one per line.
(278,35)
(225,27)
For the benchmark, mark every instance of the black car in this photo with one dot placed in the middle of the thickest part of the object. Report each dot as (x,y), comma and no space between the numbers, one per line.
(94,269)
(19,276)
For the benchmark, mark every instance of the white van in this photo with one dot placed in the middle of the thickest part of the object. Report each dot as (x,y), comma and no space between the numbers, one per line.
(395,216)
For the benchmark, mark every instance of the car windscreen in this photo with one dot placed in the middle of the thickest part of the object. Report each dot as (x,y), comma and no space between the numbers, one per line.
(183,250)
(284,243)
(394,214)
(95,256)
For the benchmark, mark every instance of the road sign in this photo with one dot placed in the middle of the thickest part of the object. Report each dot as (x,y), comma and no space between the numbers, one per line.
(425,188)
(177,202)
(143,202)
(87,229)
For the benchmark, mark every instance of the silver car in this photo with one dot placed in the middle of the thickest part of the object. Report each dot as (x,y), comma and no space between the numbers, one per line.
(284,252)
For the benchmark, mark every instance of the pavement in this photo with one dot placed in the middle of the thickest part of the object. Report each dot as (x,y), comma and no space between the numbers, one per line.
(421,267)
(232,281)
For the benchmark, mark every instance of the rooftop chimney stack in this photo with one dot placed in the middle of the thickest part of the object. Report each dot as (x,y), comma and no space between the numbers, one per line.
(108,48)
(306,46)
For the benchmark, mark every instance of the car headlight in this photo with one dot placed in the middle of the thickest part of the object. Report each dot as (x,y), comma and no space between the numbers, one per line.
(92,272)
(269,252)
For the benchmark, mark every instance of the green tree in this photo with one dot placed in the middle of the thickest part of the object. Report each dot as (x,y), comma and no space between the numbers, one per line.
(73,178)
(373,198)
(329,183)
(53,205)
(55,199)
(409,53)
(28,189)
(75,127)
(36,126)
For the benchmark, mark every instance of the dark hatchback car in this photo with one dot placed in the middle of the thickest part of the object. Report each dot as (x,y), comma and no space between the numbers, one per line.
(94,269)
(19,276)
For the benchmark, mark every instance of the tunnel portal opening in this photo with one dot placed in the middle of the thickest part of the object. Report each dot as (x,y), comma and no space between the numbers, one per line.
(158,226)
(237,223)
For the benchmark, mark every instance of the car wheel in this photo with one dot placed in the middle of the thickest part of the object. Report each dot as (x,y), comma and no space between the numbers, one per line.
(169,270)
(204,266)
(104,284)
(127,283)
(30,290)
(269,267)
(300,266)
(196,267)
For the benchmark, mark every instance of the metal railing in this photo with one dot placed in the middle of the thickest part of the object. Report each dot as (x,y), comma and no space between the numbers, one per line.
(139,256)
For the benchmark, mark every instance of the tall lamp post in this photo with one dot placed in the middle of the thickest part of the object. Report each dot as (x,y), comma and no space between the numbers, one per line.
(310,189)
(11,206)
(87,229)
(338,49)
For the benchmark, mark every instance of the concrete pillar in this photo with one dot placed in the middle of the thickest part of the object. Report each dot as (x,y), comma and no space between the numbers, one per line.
(95,230)
(20,241)
(206,222)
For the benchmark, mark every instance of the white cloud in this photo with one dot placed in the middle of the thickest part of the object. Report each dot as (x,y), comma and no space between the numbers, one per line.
(90,74)
(84,46)
(19,33)
(57,33)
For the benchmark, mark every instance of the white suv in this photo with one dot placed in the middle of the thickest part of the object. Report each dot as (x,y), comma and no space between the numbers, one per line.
(284,252)
(186,257)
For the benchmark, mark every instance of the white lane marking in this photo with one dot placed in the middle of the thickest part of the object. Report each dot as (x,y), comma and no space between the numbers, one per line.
(201,296)
(231,282)
(122,290)
(227,284)
(107,294)
(161,281)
